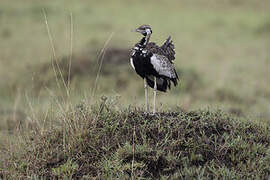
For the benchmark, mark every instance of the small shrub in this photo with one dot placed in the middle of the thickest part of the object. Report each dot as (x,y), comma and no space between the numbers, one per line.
(65,170)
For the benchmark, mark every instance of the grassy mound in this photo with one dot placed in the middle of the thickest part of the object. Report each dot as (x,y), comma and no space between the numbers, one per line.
(106,143)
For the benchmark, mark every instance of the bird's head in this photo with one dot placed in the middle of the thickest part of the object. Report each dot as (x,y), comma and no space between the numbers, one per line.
(145,30)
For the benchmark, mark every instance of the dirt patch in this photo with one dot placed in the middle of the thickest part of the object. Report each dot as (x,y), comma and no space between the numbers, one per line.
(82,65)
(264,29)
(13,120)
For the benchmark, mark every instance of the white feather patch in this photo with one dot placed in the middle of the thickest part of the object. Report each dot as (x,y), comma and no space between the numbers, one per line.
(131,63)
(162,66)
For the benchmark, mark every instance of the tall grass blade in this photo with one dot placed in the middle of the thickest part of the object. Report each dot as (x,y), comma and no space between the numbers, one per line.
(102,52)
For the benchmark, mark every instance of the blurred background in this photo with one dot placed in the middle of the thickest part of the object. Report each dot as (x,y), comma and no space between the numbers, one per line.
(222,55)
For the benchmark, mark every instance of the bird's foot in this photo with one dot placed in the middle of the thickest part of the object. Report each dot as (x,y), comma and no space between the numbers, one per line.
(153,114)
(146,113)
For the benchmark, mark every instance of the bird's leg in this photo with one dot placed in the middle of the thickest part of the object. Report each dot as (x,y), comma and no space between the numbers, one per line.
(155,94)
(146,96)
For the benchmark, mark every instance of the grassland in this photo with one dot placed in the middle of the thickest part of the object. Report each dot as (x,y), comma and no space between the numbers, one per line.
(222,59)
(102,142)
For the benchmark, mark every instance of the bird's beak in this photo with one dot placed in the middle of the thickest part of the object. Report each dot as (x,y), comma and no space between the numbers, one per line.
(135,30)
(138,30)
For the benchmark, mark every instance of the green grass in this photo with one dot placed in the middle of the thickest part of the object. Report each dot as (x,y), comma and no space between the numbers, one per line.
(222,58)
(226,44)
(102,142)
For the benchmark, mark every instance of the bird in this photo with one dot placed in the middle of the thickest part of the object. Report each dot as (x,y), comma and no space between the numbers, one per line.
(154,63)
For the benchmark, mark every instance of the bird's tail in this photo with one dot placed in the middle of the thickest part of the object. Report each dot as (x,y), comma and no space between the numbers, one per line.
(168,48)
(162,83)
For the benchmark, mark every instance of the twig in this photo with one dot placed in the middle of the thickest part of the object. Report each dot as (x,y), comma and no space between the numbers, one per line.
(103,50)
(133,152)
(54,55)
(71,49)
(15,106)
(33,112)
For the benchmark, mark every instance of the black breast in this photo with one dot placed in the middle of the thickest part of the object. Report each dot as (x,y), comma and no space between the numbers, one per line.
(142,64)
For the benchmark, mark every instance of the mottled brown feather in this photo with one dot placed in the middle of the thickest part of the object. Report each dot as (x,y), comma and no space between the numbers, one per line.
(167,49)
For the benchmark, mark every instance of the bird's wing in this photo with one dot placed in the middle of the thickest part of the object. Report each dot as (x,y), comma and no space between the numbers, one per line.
(168,49)
(155,49)
(163,66)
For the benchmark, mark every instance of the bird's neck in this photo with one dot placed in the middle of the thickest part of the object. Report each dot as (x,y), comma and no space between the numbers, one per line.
(144,41)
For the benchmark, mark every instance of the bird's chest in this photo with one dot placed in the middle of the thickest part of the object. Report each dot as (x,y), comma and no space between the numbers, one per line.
(140,61)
